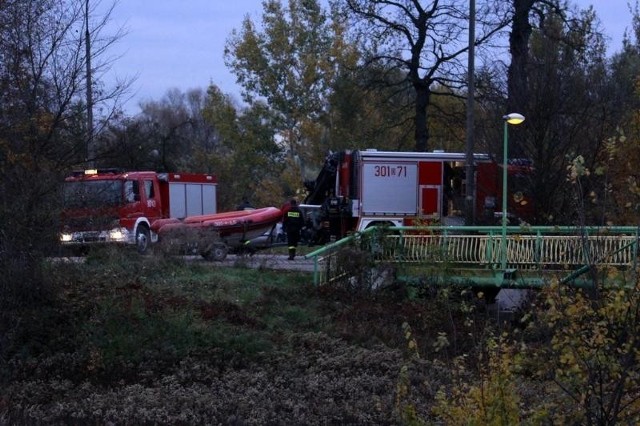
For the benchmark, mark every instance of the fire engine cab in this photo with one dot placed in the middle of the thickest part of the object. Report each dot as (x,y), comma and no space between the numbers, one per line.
(114,206)
(358,189)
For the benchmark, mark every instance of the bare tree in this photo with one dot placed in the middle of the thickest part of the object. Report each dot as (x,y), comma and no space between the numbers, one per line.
(558,80)
(427,41)
(43,127)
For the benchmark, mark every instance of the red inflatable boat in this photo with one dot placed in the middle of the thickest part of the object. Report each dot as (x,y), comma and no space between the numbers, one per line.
(213,235)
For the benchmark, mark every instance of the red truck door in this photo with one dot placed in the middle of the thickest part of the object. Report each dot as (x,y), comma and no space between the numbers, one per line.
(430,183)
(142,200)
(151,199)
(430,200)
(132,208)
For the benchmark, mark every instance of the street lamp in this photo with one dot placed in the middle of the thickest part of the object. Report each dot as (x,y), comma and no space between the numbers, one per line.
(515,119)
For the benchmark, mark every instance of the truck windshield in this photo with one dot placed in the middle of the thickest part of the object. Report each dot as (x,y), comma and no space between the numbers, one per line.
(98,193)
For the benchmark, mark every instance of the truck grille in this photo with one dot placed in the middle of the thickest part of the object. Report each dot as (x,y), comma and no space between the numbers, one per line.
(90,237)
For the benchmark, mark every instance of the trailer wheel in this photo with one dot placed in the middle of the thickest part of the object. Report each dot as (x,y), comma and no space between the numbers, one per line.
(217,253)
(143,239)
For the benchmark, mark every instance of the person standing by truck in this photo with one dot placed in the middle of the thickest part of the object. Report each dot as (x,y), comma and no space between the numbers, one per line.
(292,224)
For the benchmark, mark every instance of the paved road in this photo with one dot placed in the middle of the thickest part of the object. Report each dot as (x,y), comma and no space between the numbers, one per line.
(268,261)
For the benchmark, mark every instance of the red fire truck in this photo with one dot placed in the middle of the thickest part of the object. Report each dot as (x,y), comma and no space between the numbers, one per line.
(113,206)
(357,189)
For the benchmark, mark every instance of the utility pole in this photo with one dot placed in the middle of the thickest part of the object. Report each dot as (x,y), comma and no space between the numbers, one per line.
(89,141)
(470,213)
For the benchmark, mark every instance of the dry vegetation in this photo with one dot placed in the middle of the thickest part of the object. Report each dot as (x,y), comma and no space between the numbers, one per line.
(155,340)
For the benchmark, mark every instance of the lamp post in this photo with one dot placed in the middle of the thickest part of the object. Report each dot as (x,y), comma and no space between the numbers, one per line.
(513,118)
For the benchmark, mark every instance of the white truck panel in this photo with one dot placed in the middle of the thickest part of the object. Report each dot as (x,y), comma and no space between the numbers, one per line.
(209,198)
(191,199)
(194,199)
(389,188)
(177,197)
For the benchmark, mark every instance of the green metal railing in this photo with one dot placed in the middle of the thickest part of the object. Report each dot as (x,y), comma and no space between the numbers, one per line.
(543,248)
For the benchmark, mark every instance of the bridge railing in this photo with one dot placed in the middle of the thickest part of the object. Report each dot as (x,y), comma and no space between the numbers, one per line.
(521,250)
(530,248)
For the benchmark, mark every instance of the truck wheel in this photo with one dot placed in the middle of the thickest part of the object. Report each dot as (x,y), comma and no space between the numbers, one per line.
(216,253)
(143,239)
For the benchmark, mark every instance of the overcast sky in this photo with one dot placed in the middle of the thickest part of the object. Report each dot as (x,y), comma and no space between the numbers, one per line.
(180,44)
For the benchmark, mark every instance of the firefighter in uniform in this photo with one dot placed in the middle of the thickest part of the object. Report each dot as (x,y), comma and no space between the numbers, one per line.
(292,224)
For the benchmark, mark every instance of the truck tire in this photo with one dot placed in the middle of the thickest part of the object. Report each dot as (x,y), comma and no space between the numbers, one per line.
(143,239)
(217,253)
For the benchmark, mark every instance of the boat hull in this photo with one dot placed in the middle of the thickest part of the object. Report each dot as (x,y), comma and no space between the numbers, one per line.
(231,229)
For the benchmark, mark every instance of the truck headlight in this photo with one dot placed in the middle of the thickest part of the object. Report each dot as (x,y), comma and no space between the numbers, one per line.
(65,238)
(118,234)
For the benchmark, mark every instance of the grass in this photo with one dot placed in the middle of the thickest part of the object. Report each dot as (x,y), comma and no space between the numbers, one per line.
(164,309)
(131,339)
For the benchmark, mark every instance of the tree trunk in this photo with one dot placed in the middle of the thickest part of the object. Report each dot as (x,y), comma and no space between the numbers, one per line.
(519,47)
(423,95)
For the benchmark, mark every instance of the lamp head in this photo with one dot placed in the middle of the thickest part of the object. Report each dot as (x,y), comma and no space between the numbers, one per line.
(513,118)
